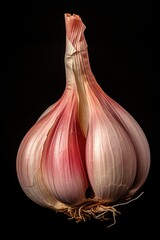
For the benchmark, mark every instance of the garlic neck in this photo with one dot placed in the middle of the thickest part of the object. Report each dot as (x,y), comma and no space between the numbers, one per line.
(77,65)
(77,75)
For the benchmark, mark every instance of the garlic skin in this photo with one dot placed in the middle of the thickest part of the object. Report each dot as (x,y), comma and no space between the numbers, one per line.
(84,141)
(121,151)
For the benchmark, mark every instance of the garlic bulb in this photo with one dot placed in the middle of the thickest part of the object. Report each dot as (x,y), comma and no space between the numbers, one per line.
(85,153)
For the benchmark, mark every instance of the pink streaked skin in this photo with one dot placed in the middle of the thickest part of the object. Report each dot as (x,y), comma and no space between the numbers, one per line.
(63,163)
(135,137)
(140,144)
(110,155)
(75,34)
(134,132)
(31,157)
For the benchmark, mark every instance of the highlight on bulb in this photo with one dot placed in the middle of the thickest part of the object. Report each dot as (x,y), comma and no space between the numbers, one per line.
(85,155)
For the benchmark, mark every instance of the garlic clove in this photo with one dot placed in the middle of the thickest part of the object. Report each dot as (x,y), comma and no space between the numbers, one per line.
(141,146)
(116,147)
(28,162)
(63,157)
(51,155)
(110,156)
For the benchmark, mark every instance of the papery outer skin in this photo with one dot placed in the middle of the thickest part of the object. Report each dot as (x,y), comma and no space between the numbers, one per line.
(84,139)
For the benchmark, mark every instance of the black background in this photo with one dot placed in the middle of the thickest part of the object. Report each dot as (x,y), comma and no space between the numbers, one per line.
(123,49)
